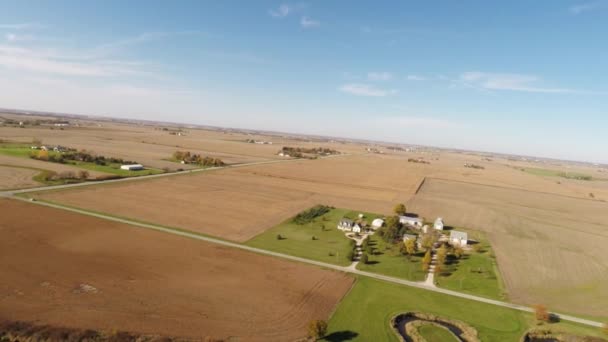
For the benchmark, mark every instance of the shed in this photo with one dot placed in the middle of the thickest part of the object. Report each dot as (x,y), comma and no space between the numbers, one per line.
(411,221)
(346,224)
(438,224)
(132,167)
(458,238)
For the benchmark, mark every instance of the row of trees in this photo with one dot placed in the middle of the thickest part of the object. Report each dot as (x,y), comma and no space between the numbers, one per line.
(309,215)
(299,152)
(191,158)
(82,156)
(64,175)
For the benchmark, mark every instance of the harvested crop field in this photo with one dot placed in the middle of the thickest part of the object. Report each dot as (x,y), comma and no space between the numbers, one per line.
(550,249)
(16,177)
(66,269)
(240,203)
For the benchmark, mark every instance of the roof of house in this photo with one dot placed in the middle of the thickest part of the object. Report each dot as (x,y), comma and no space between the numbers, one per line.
(439,219)
(346,221)
(410,218)
(454,234)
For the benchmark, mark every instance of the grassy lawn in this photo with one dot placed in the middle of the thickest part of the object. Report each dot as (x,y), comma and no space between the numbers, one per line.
(331,246)
(432,332)
(475,272)
(365,312)
(389,261)
(15,150)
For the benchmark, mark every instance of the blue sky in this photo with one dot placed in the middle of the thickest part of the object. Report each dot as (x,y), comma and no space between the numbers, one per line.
(525,77)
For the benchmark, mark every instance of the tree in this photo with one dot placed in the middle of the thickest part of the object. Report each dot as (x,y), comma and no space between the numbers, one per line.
(541,313)
(83,174)
(400,209)
(43,155)
(438,269)
(442,252)
(364,258)
(317,329)
(427,241)
(426,261)
(410,246)
(458,252)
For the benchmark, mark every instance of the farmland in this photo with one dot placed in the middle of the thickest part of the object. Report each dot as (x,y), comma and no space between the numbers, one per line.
(550,249)
(17,177)
(148,282)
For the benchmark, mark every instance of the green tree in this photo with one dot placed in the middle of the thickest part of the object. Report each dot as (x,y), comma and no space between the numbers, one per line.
(364,258)
(458,252)
(317,329)
(426,261)
(428,240)
(400,209)
(442,253)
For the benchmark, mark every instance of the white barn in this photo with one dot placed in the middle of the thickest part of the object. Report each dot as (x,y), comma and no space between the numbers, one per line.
(357,228)
(458,238)
(132,167)
(438,224)
(411,221)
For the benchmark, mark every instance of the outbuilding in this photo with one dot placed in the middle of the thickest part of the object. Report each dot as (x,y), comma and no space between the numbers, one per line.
(458,238)
(438,224)
(411,221)
(346,224)
(132,167)
(377,223)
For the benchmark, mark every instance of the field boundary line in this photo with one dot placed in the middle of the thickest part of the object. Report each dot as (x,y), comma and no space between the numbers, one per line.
(420,186)
(344,269)
(517,189)
(9,193)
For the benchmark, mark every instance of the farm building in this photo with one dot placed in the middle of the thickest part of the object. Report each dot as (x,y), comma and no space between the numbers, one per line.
(357,228)
(377,223)
(346,224)
(458,238)
(411,221)
(438,224)
(132,167)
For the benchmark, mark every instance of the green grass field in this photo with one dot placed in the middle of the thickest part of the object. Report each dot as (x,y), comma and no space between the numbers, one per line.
(365,312)
(434,333)
(298,238)
(389,261)
(556,173)
(475,273)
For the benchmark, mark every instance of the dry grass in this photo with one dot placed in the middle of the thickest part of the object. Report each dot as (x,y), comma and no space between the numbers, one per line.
(64,269)
(550,248)
(15,177)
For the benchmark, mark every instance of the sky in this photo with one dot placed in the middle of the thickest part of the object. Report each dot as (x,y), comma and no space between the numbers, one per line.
(521,77)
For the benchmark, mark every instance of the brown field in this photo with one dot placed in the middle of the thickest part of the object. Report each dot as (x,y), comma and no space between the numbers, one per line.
(239,203)
(39,164)
(16,177)
(65,269)
(550,249)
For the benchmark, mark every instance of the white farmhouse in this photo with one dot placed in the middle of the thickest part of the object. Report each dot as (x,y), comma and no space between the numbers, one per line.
(458,238)
(377,223)
(357,228)
(132,167)
(438,224)
(346,224)
(411,221)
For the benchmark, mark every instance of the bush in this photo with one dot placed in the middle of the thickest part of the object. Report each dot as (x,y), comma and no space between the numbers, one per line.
(364,258)
(280,237)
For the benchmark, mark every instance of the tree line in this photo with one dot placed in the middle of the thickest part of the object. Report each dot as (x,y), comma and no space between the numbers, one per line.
(81,156)
(192,158)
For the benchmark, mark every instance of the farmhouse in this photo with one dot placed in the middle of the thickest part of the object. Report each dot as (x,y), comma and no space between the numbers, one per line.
(411,221)
(377,223)
(357,228)
(458,238)
(132,167)
(346,224)
(438,224)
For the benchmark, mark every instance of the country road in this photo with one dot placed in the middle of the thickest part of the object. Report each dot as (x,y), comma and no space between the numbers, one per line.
(420,285)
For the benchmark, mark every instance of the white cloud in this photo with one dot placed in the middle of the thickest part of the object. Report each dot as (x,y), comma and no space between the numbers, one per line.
(379,76)
(416,78)
(502,81)
(21,26)
(282,11)
(586,7)
(12,37)
(306,22)
(360,89)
